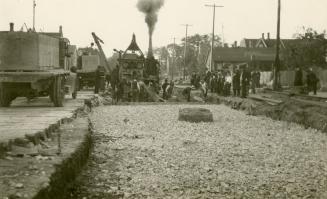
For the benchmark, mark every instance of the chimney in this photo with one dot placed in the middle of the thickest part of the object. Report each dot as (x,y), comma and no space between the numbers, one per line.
(263,35)
(150,50)
(235,44)
(60,31)
(11,27)
(268,35)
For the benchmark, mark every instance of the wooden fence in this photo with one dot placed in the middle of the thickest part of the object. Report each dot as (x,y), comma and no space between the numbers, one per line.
(287,78)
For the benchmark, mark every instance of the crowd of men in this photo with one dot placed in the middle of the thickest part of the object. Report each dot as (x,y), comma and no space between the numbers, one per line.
(226,83)
(238,82)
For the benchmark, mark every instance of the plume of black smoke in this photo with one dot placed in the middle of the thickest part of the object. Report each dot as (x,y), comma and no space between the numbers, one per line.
(150,8)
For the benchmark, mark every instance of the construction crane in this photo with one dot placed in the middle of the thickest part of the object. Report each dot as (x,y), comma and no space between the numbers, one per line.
(97,41)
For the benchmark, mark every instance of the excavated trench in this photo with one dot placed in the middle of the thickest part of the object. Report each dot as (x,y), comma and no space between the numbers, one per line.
(307,115)
(310,115)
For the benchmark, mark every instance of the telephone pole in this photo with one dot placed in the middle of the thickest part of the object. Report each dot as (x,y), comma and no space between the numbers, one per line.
(185,48)
(214,6)
(277,60)
(34,5)
(174,61)
(223,34)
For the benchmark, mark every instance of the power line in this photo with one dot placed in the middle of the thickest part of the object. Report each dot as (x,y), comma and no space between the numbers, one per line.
(174,58)
(223,34)
(214,6)
(34,5)
(277,60)
(185,48)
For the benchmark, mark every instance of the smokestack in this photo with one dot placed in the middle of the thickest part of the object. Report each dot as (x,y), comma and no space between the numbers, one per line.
(263,35)
(268,35)
(60,31)
(11,25)
(235,44)
(150,50)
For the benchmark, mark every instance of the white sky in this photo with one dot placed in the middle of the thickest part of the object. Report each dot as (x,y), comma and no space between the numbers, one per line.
(115,20)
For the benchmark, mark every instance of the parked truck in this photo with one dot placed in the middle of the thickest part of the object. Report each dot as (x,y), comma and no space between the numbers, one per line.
(88,62)
(35,64)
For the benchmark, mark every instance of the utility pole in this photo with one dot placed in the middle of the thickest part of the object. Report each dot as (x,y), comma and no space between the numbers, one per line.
(34,5)
(223,35)
(174,57)
(214,6)
(277,60)
(185,48)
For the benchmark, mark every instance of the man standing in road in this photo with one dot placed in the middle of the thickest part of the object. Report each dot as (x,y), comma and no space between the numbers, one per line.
(213,84)
(236,83)
(164,87)
(298,77)
(220,83)
(114,80)
(245,78)
(312,81)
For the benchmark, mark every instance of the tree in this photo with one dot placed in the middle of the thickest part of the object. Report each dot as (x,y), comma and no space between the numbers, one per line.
(198,49)
(309,48)
(113,60)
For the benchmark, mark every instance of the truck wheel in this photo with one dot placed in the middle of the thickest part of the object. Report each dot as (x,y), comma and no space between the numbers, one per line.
(5,97)
(58,92)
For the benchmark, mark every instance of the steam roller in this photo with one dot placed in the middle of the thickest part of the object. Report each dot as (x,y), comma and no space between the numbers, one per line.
(133,65)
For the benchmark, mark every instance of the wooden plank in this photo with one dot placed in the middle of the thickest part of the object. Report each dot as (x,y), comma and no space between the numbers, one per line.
(265,99)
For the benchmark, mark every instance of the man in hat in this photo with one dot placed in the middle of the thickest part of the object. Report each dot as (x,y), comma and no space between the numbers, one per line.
(312,81)
(245,80)
(164,87)
(236,83)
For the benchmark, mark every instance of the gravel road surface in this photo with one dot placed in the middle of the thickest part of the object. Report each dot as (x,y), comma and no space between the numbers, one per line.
(144,152)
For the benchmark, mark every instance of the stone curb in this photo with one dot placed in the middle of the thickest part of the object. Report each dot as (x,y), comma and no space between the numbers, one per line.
(66,172)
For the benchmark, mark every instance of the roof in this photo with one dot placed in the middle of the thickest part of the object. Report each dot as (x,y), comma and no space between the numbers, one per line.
(269,43)
(250,43)
(243,54)
(133,51)
(133,46)
(89,51)
(53,34)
